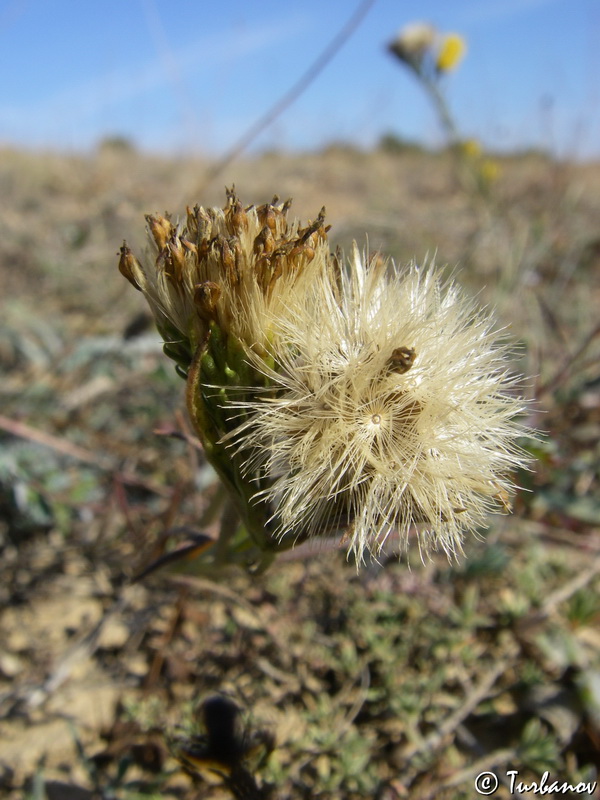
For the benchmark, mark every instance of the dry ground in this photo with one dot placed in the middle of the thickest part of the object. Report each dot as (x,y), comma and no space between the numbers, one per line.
(395,683)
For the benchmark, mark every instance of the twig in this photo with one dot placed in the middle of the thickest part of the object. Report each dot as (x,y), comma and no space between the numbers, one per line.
(35,695)
(560,595)
(365,683)
(61,445)
(435,739)
(292,94)
(485,764)
(565,367)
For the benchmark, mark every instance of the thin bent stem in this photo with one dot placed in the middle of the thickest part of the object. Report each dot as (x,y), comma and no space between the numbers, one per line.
(560,375)
(293,93)
(441,106)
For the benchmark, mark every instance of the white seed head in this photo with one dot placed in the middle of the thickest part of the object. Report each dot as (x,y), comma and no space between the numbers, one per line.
(388,411)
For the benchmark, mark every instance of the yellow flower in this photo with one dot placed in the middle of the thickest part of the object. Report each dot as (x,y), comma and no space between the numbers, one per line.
(471,148)
(489,170)
(451,51)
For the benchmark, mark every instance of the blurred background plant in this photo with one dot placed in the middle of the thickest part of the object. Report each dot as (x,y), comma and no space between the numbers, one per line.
(431,55)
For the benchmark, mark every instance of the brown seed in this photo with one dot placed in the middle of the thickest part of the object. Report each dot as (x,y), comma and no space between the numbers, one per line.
(237,219)
(227,257)
(206,297)
(129,266)
(190,247)
(402,359)
(264,244)
(267,215)
(503,497)
(176,259)
(160,228)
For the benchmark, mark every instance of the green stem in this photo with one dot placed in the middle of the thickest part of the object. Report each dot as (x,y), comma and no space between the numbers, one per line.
(230,521)
(208,413)
(443,111)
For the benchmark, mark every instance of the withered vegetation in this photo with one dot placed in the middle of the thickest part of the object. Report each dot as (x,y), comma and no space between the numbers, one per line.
(396,683)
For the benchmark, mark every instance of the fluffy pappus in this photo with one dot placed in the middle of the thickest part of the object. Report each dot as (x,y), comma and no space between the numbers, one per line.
(389,410)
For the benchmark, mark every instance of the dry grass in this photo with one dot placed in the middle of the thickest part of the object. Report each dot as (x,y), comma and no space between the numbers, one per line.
(391,684)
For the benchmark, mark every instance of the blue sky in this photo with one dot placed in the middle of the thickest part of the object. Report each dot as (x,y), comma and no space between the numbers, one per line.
(191,76)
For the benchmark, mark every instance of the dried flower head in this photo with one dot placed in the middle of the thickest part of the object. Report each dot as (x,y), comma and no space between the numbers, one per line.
(233,267)
(357,400)
(214,285)
(388,412)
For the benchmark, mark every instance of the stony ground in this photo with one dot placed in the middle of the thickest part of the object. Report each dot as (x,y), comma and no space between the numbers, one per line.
(392,683)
